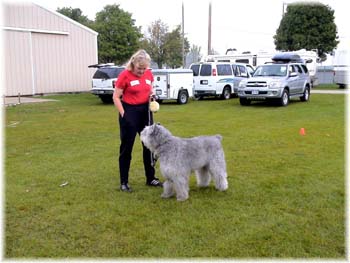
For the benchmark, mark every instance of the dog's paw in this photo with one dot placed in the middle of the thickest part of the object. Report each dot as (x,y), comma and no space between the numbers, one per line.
(165,196)
(181,199)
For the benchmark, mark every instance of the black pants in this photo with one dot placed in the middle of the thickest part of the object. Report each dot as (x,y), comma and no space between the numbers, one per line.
(134,120)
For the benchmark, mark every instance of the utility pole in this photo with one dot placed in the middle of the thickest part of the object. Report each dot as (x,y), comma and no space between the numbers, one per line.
(183,36)
(209,30)
(284,8)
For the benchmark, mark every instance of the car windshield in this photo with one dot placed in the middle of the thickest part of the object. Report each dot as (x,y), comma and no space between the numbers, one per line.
(271,70)
(107,73)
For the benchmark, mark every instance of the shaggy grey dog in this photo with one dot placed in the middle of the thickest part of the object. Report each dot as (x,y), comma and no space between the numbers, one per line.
(179,156)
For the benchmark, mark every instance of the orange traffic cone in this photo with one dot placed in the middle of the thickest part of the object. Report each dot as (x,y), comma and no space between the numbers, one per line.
(302,132)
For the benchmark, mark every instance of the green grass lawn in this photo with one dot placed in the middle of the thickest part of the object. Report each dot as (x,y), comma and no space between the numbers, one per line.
(286,196)
(327,87)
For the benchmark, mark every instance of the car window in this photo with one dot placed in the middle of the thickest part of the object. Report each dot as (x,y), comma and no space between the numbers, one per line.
(271,70)
(107,73)
(235,70)
(195,69)
(291,69)
(243,71)
(242,60)
(250,70)
(205,70)
(224,70)
(305,68)
(298,68)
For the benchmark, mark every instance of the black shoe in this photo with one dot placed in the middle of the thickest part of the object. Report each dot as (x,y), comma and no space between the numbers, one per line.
(125,188)
(155,182)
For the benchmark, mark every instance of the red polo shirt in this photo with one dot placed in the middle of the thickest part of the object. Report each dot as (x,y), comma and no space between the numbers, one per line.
(136,90)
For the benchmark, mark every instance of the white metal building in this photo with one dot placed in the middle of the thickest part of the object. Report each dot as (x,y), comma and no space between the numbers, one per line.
(45,52)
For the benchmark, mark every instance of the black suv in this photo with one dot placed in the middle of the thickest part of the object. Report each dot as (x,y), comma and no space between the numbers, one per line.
(104,79)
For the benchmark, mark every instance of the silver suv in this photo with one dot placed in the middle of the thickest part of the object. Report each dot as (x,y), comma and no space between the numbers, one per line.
(287,77)
(104,79)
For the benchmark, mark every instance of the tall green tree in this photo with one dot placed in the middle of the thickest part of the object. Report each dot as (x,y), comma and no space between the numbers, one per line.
(307,26)
(194,55)
(118,36)
(76,14)
(173,48)
(165,47)
(154,41)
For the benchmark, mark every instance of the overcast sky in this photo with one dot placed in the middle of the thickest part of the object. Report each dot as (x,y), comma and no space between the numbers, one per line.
(244,24)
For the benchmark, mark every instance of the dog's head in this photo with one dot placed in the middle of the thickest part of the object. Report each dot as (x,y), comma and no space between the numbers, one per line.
(154,136)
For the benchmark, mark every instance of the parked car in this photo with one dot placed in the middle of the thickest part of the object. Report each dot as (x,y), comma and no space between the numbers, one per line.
(218,78)
(285,78)
(103,81)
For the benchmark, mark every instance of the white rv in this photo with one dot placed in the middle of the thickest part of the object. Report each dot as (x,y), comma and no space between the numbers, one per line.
(173,84)
(341,65)
(247,57)
(262,57)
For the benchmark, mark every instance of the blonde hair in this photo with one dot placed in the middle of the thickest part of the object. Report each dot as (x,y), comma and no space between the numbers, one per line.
(141,57)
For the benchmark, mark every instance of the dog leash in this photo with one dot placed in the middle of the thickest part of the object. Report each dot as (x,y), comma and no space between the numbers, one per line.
(150,122)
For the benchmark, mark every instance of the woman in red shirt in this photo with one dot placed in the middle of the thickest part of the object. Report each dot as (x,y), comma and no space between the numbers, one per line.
(131,97)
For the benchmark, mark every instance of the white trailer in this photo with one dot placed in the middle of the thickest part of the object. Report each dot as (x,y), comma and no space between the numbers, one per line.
(173,84)
(341,65)
(342,76)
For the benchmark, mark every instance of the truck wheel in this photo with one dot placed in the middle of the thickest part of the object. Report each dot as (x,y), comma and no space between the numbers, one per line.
(182,97)
(306,95)
(284,100)
(226,93)
(106,99)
